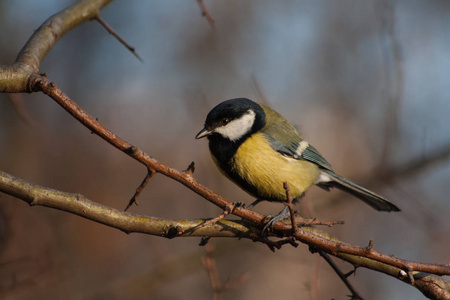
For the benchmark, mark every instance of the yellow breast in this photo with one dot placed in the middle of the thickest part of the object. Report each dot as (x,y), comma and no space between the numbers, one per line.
(257,163)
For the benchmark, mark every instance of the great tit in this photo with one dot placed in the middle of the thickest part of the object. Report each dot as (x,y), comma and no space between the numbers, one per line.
(259,150)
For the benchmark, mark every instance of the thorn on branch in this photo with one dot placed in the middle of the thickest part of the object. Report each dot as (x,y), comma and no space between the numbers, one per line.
(204,240)
(278,244)
(348,274)
(118,37)
(190,169)
(141,187)
(369,247)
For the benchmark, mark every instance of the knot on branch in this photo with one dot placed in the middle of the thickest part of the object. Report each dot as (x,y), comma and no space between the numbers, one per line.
(172,232)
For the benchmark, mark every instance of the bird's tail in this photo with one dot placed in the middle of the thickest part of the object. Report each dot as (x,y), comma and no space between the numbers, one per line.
(369,197)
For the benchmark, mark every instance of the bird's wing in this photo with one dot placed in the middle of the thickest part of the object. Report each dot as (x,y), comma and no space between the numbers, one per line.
(299,150)
(285,139)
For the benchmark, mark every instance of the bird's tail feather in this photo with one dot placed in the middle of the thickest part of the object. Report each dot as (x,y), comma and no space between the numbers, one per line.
(369,197)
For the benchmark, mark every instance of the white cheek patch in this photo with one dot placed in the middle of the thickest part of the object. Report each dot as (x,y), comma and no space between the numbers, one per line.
(238,127)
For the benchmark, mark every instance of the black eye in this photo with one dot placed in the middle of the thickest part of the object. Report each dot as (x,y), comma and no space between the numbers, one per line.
(225,121)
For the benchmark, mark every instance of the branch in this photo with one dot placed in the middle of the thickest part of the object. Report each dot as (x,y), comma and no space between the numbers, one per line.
(206,14)
(15,78)
(23,76)
(118,37)
(358,256)
(77,204)
(139,190)
(342,276)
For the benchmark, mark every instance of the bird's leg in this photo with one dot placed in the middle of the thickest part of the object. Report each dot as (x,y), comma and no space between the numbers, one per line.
(287,212)
(254,203)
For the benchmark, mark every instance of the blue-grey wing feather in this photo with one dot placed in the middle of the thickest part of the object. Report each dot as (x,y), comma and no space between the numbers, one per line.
(309,153)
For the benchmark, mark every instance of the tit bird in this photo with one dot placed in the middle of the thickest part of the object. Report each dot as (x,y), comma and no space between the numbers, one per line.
(259,150)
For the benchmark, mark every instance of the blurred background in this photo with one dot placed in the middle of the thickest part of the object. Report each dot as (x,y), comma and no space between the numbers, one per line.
(367,83)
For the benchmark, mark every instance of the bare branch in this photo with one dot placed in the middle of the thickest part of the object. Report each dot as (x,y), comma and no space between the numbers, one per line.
(127,222)
(117,36)
(15,78)
(206,14)
(23,76)
(342,276)
(140,188)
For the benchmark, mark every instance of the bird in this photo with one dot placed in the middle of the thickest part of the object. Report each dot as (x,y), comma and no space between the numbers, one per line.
(259,150)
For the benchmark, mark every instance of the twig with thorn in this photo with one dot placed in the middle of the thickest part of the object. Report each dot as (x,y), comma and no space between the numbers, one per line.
(227,211)
(140,188)
(342,276)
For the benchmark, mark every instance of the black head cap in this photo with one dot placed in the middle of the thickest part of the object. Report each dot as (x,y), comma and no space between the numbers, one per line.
(234,109)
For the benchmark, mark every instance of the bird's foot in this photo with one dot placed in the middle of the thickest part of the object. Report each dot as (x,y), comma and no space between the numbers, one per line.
(284,214)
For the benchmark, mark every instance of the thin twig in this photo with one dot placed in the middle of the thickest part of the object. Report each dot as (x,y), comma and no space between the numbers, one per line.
(140,188)
(314,221)
(342,276)
(229,210)
(206,14)
(118,37)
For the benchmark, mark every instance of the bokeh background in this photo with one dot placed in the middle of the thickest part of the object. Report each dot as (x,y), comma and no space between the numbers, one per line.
(367,83)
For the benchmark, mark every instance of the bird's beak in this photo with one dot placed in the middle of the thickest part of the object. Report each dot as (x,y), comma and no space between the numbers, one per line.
(204,132)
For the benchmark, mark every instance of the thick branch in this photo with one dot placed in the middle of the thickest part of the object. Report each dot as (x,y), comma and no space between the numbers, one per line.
(15,78)
(79,205)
